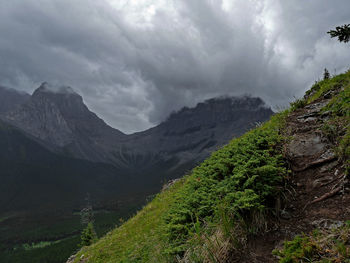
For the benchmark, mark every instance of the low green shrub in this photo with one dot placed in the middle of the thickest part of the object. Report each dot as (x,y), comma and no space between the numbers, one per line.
(297,104)
(243,178)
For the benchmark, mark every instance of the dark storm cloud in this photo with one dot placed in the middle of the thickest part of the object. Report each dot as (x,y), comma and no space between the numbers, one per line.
(136,61)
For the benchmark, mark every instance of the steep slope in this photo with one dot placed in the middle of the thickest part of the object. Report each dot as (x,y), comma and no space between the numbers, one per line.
(244,201)
(319,155)
(173,222)
(317,194)
(10,99)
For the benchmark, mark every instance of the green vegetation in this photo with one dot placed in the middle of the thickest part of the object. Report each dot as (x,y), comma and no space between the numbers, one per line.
(337,128)
(140,239)
(237,188)
(322,87)
(326,74)
(88,236)
(321,246)
(47,239)
(56,252)
(341,32)
(40,244)
(210,213)
(297,104)
(241,180)
(327,245)
(232,195)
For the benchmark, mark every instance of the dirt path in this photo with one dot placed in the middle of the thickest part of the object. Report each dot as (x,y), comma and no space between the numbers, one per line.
(318,194)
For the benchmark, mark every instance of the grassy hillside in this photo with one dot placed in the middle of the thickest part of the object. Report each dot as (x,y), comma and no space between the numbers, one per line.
(209,215)
(236,187)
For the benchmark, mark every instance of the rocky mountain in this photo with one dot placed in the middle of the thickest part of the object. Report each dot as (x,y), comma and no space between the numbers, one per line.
(10,99)
(58,117)
(192,133)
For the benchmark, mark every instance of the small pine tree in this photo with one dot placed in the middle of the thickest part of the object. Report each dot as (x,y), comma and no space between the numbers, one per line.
(341,32)
(88,236)
(326,74)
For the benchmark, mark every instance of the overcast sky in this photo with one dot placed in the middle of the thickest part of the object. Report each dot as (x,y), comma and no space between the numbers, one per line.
(135,61)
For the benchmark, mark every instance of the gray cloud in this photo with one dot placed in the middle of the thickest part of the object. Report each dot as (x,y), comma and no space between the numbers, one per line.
(136,61)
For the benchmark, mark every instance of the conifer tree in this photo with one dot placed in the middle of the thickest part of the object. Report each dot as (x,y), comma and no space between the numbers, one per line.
(326,74)
(341,32)
(88,235)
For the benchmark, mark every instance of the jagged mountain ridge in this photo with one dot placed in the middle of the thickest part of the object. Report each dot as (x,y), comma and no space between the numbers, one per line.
(58,117)
(198,131)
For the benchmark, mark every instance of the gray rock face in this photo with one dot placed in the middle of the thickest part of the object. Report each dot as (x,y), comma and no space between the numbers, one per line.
(307,145)
(58,116)
(194,133)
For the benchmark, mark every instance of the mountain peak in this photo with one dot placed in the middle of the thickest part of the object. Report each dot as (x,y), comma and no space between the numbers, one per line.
(57,115)
(63,97)
(56,89)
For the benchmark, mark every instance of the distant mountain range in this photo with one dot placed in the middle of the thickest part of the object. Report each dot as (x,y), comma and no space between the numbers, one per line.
(56,139)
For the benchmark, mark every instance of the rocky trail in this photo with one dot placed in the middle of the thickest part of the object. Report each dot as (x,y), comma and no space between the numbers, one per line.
(318,194)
